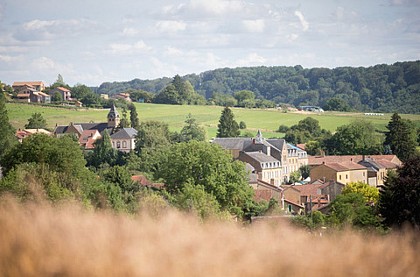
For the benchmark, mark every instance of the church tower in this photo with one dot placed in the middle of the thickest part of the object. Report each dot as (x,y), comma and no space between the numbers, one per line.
(113,117)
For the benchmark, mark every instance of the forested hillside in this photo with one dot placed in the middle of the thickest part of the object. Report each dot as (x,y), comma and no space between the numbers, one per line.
(385,88)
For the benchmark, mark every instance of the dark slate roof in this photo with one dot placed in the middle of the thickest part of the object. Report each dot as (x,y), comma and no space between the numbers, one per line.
(125,133)
(278,143)
(261,157)
(233,143)
(84,126)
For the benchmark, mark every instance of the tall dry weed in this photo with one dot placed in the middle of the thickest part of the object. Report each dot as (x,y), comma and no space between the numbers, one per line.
(40,240)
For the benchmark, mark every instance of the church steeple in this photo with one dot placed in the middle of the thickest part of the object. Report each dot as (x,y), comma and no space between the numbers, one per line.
(113,117)
(259,137)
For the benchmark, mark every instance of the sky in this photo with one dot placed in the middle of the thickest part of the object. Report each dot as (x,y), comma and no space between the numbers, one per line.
(94,41)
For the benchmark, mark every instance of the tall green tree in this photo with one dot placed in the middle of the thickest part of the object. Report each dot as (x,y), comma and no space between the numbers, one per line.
(134,117)
(124,122)
(192,131)
(7,132)
(227,126)
(356,138)
(36,121)
(207,166)
(399,201)
(152,135)
(401,137)
(103,153)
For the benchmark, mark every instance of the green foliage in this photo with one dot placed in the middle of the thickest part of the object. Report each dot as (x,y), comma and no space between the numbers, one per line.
(370,194)
(36,121)
(85,95)
(134,117)
(60,154)
(313,148)
(350,209)
(295,176)
(283,128)
(7,132)
(223,100)
(152,135)
(242,125)
(399,201)
(124,122)
(385,88)
(336,104)
(179,92)
(401,137)
(195,199)
(305,171)
(312,221)
(192,131)
(103,154)
(359,137)
(307,129)
(227,126)
(245,98)
(57,97)
(207,165)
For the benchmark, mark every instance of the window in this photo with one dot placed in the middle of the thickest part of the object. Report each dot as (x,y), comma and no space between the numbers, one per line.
(347,176)
(124,144)
(118,144)
(339,177)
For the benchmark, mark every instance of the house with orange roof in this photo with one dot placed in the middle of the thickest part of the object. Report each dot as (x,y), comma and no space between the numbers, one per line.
(377,165)
(37,85)
(342,172)
(64,92)
(88,138)
(22,134)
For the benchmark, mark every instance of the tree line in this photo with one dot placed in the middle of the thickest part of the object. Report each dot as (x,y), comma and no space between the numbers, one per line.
(382,88)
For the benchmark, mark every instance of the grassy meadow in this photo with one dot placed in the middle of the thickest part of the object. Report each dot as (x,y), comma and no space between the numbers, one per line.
(37,239)
(266,120)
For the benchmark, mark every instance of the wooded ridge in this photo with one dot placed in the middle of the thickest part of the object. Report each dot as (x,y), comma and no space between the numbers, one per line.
(384,88)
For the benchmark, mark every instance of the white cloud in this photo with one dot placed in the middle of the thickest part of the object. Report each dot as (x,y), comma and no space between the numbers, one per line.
(217,7)
(44,63)
(173,51)
(252,59)
(303,22)
(130,32)
(171,26)
(254,26)
(9,59)
(126,48)
(292,37)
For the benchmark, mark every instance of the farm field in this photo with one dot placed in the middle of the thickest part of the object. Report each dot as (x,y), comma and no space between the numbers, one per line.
(208,116)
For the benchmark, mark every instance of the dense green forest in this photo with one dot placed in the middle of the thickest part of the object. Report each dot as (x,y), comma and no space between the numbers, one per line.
(384,88)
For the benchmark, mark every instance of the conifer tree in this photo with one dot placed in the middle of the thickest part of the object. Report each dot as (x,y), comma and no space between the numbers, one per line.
(401,137)
(227,127)
(134,117)
(7,132)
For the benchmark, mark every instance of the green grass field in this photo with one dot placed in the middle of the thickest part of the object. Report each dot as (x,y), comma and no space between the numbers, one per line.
(266,120)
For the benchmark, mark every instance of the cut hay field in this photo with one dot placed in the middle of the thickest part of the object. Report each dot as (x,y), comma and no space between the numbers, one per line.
(66,240)
(266,120)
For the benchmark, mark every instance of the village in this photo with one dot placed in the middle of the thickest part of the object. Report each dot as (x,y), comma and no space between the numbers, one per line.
(269,162)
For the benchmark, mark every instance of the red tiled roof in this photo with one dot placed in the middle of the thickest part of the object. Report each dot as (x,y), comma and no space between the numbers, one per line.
(301,145)
(316,160)
(36,83)
(310,189)
(63,89)
(344,166)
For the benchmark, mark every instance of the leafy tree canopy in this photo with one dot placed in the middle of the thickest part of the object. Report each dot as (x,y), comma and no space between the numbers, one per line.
(356,138)
(370,194)
(36,121)
(206,165)
(192,131)
(7,132)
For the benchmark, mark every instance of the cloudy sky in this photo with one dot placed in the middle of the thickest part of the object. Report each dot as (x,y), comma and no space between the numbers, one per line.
(94,41)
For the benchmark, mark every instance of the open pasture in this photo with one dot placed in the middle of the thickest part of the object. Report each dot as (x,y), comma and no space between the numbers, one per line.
(208,116)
